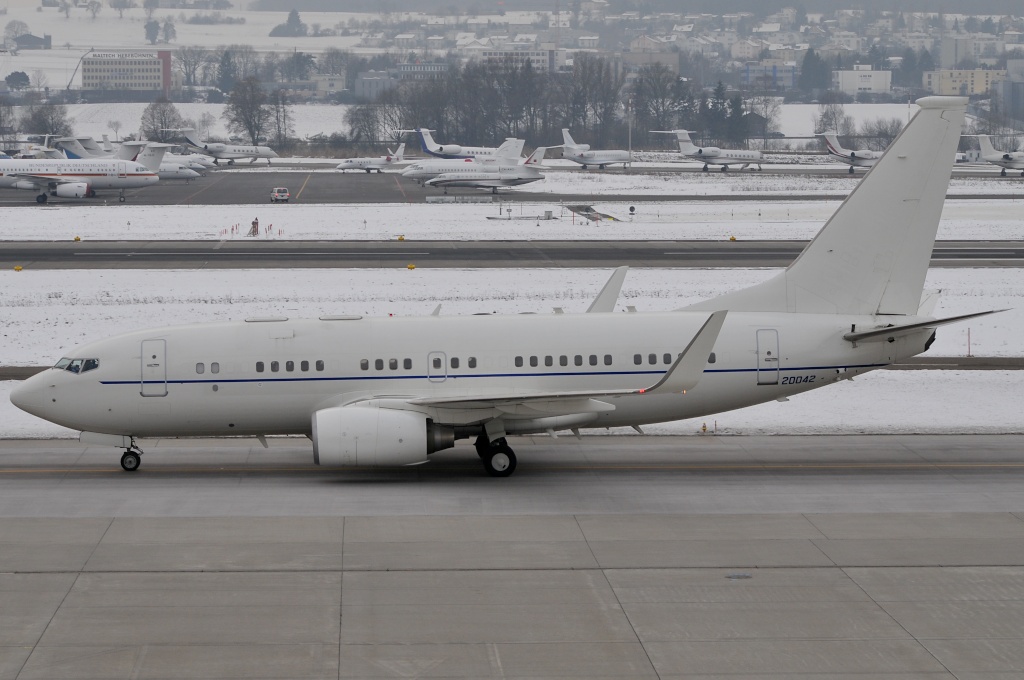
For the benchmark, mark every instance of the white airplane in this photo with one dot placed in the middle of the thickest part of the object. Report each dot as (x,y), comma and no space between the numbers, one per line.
(1007,160)
(492,175)
(145,153)
(393,390)
(432,148)
(507,155)
(74,178)
(712,155)
(192,161)
(581,153)
(863,158)
(378,163)
(229,152)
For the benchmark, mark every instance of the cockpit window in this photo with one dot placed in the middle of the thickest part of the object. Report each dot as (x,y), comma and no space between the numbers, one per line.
(77,365)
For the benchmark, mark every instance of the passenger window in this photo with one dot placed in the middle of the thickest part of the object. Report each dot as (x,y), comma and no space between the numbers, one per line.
(437,362)
(593,360)
(519,362)
(215,367)
(472,362)
(454,362)
(289,366)
(259,366)
(364,364)
(711,358)
(652,358)
(549,360)
(667,358)
(304,366)
(637,359)
(563,360)
(378,364)
(275,366)
(200,369)
(607,359)
(578,360)
(319,364)
(393,364)
(533,361)
(407,363)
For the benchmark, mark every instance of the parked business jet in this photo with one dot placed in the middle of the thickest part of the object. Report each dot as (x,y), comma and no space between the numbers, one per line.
(491,175)
(432,148)
(581,153)
(192,161)
(712,155)
(392,390)
(79,178)
(229,152)
(507,155)
(863,158)
(1007,160)
(154,154)
(378,163)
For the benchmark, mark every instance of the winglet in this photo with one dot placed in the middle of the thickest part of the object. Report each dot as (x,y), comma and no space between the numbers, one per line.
(688,368)
(609,295)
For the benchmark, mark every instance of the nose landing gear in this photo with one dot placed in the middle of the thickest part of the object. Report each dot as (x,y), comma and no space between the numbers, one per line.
(132,458)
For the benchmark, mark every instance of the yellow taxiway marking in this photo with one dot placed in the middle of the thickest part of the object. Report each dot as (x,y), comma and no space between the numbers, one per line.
(303,187)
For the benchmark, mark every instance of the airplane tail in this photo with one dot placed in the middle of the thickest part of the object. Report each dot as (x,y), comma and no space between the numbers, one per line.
(400,152)
(130,151)
(833,146)
(426,140)
(153,155)
(537,157)
(986,146)
(567,138)
(72,148)
(510,148)
(686,144)
(192,138)
(872,255)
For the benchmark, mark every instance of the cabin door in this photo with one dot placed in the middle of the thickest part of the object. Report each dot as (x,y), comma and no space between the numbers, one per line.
(122,169)
(437,366)
(154,368)
(767,356)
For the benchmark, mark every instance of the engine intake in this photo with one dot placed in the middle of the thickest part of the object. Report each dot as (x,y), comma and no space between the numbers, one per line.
(72,190)
(365,435)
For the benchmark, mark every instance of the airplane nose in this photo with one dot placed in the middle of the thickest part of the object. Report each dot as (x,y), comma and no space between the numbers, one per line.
(28,396)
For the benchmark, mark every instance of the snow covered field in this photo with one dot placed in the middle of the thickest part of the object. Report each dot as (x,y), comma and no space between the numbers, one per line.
(704,220)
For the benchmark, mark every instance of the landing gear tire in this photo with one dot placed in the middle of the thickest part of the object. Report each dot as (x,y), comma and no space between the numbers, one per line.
(121,199)
(1002,173)
(850,170)
(41,198)
(725,168)
(130,461)
(498,458)
(705,168)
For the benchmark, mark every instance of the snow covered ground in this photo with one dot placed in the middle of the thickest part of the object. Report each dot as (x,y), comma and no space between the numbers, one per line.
(702,220)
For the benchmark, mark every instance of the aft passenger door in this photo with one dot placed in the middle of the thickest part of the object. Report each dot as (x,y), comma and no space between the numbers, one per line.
(154,368)
(767,356)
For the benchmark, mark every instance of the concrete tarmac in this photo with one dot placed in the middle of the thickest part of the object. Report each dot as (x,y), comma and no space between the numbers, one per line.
(616,557)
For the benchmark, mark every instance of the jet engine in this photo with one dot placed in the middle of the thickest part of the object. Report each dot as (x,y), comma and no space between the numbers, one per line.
(29,186)
(365,435)
(709,151)
(72,190)
(449,148)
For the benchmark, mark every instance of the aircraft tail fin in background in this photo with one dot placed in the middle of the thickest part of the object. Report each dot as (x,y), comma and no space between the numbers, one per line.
(985,143)
(426,140)
(153,155)
(400,152)
(107,146)
(510,148)
(833,145)
(537,157)
(72,148)
(192,138)
(872,255)
(130,151)
(567,138)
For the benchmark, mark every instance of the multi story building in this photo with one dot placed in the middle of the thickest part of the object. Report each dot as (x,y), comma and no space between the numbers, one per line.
(862,80)
(142,71)
(962,83)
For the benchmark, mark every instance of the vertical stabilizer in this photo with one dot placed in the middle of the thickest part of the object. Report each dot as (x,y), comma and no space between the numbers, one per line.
(510,148)
(153,155)
(400,152)
(986,146)
(427,140)
(872,255)
(567,138)
(192,138)
(129,151)
(686,144)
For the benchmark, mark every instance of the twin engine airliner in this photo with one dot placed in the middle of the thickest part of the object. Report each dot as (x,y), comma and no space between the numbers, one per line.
(582,154)
(69,178)
(378,163)
(393,391)
(862,158)
(1007,160)
(712,155)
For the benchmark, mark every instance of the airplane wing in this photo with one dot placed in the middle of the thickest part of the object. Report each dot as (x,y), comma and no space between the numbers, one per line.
(683,375)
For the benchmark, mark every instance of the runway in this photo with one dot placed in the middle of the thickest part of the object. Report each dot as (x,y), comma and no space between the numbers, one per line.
(245,186)
(460,254)
(627,557)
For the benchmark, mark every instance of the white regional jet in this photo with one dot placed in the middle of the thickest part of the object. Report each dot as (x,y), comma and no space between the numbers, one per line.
(863,158)
(378,163)
(491,175)
(712,155)
(432,148)
(229,152)
(392,391)
(581,153)
(1007,160)
(74,178)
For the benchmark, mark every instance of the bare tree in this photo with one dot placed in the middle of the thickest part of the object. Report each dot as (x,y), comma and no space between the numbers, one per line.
(161,121)
(93,7)
(205,124)
(247,111)
(15,29)
(881,132)
(115,126)
(65,8)
(768,106)
(45,119)
(189,61)
(121,6)
(281,123)
(832,117)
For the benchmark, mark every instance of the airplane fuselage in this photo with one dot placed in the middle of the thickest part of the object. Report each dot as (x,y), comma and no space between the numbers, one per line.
(97,173)
(598,158)
(270,377)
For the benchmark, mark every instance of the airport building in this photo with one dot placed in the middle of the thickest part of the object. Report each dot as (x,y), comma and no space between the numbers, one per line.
(134,70)
(962,82)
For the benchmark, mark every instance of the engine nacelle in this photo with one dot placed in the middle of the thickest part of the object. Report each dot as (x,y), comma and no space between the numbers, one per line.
(449,148)
(862,153)
(72,190)
(367,435)
(27,186)
(709,151)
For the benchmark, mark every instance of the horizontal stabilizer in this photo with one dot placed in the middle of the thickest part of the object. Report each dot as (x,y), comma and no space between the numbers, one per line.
(895,331)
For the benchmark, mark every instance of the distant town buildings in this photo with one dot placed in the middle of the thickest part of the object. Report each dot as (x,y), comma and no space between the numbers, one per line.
(134,70)
(862,80)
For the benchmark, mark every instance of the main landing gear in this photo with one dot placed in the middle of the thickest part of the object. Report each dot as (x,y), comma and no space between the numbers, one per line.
(498,458)
(132,458)
(41,198)
(121,197)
